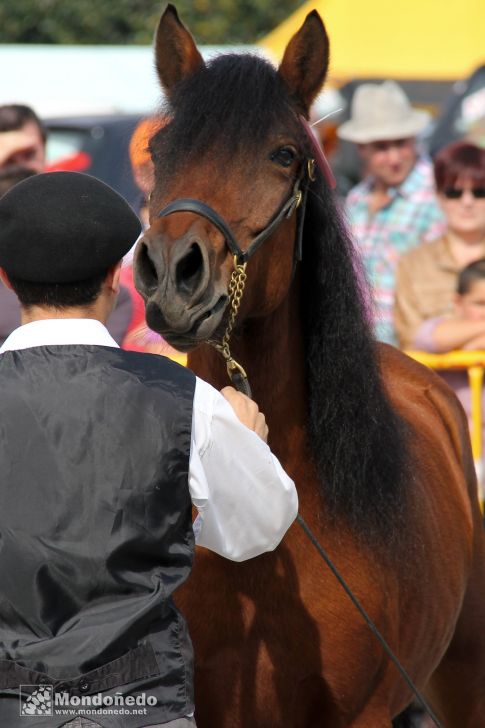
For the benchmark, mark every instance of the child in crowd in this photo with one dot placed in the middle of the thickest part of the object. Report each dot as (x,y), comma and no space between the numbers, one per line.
(469,316)
(470,299)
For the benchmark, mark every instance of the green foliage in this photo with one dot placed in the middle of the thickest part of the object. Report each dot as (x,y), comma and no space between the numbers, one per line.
(134,21)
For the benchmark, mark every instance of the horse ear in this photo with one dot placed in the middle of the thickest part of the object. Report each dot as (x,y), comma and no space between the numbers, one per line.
(305,62)
(176,54)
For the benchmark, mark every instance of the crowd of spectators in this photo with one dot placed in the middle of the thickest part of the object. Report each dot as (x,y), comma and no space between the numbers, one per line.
(23,140)
(416,223)
(420,228)
(394,207)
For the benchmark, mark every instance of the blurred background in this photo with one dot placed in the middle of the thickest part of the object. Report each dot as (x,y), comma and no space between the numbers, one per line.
(86,67)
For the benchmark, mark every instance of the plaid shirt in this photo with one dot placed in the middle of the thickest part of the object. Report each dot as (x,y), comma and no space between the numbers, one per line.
(411,215)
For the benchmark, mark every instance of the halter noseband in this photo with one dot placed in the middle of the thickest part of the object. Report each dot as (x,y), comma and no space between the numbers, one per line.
(187,204)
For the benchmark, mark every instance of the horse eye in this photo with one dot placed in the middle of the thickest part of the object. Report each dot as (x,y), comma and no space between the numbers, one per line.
(284,156)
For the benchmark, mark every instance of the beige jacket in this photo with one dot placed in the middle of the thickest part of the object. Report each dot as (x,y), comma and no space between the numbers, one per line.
(425,287)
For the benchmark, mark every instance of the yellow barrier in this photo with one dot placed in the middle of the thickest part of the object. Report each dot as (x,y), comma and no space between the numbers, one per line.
(474,362)
(178,357)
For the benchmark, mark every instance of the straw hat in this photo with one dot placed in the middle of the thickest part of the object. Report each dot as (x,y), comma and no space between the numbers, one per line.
(382,112)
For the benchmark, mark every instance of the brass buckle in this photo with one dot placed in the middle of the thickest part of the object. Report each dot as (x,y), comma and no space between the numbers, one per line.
(233,366)
(311,170)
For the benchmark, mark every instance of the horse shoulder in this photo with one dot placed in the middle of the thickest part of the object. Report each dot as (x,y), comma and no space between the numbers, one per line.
(434,415)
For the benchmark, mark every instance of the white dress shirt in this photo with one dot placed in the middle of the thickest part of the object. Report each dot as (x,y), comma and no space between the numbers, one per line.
(246,501)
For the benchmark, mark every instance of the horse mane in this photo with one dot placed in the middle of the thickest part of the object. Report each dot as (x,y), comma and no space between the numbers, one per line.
(357,440)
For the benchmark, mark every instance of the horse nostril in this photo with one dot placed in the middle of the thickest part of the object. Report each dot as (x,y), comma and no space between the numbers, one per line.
(147,273)
(189,270)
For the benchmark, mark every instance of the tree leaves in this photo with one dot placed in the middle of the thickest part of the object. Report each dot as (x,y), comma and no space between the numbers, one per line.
(134,21)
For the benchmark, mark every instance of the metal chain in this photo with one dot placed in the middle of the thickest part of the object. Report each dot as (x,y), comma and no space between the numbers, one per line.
(235,371)
(236,290)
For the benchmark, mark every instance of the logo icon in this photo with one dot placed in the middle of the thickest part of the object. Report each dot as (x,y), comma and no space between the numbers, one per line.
(37,701)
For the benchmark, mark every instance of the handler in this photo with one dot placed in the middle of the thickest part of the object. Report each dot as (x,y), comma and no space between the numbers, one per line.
(102,454)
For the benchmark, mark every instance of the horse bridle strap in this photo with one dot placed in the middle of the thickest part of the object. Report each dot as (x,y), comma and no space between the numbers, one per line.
(187,204)
(235,371)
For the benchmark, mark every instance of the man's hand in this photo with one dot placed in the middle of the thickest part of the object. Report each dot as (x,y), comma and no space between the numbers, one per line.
(247,411)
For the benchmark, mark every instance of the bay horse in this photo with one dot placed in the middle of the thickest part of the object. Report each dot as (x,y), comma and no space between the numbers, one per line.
(377,445)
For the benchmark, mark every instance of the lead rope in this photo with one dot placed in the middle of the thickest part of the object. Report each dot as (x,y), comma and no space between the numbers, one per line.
(421,699)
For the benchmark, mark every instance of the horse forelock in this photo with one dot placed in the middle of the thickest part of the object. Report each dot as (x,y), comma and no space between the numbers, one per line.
(228,107)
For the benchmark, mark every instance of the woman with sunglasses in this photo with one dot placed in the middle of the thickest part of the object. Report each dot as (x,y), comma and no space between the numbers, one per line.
(427,275)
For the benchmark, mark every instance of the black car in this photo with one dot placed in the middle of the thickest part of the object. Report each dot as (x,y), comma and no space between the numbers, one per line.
(97,145)
(463,113)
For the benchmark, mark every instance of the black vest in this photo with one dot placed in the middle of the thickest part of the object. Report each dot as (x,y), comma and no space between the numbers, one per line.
(95,535)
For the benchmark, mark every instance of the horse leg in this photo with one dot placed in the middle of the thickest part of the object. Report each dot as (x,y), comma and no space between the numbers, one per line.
(373,716)
(413,718)
(457,687)
(378,717)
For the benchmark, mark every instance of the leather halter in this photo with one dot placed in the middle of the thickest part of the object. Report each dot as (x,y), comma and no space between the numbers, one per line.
(296,200)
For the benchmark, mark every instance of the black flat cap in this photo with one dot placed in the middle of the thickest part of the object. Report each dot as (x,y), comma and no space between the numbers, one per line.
(61,227)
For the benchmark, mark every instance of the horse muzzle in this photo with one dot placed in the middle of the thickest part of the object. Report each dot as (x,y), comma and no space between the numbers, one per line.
(182,303)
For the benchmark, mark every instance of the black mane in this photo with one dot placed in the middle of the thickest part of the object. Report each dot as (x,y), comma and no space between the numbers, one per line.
(357,440)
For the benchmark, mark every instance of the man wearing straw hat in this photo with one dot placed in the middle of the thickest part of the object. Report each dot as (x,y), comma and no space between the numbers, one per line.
(394,207)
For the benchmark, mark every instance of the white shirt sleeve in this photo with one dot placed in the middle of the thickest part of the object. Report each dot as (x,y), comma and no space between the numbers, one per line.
(246,501)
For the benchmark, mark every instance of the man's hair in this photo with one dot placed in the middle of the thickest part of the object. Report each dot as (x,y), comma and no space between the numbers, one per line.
(473,272)
(459,159)
(58,295)
(16,116)
(13,175)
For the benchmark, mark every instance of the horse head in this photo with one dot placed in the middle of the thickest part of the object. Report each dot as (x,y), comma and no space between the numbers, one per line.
(230,166)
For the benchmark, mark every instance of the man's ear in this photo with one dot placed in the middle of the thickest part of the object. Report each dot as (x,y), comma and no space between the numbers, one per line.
(5,279)
(112,280)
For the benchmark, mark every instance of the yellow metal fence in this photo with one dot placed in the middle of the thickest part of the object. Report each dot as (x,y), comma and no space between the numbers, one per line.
(474,363)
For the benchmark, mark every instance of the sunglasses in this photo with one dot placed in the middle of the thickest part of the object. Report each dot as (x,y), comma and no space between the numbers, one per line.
(454,193)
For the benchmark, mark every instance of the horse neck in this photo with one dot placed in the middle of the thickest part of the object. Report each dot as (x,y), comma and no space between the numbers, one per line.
(271,351)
